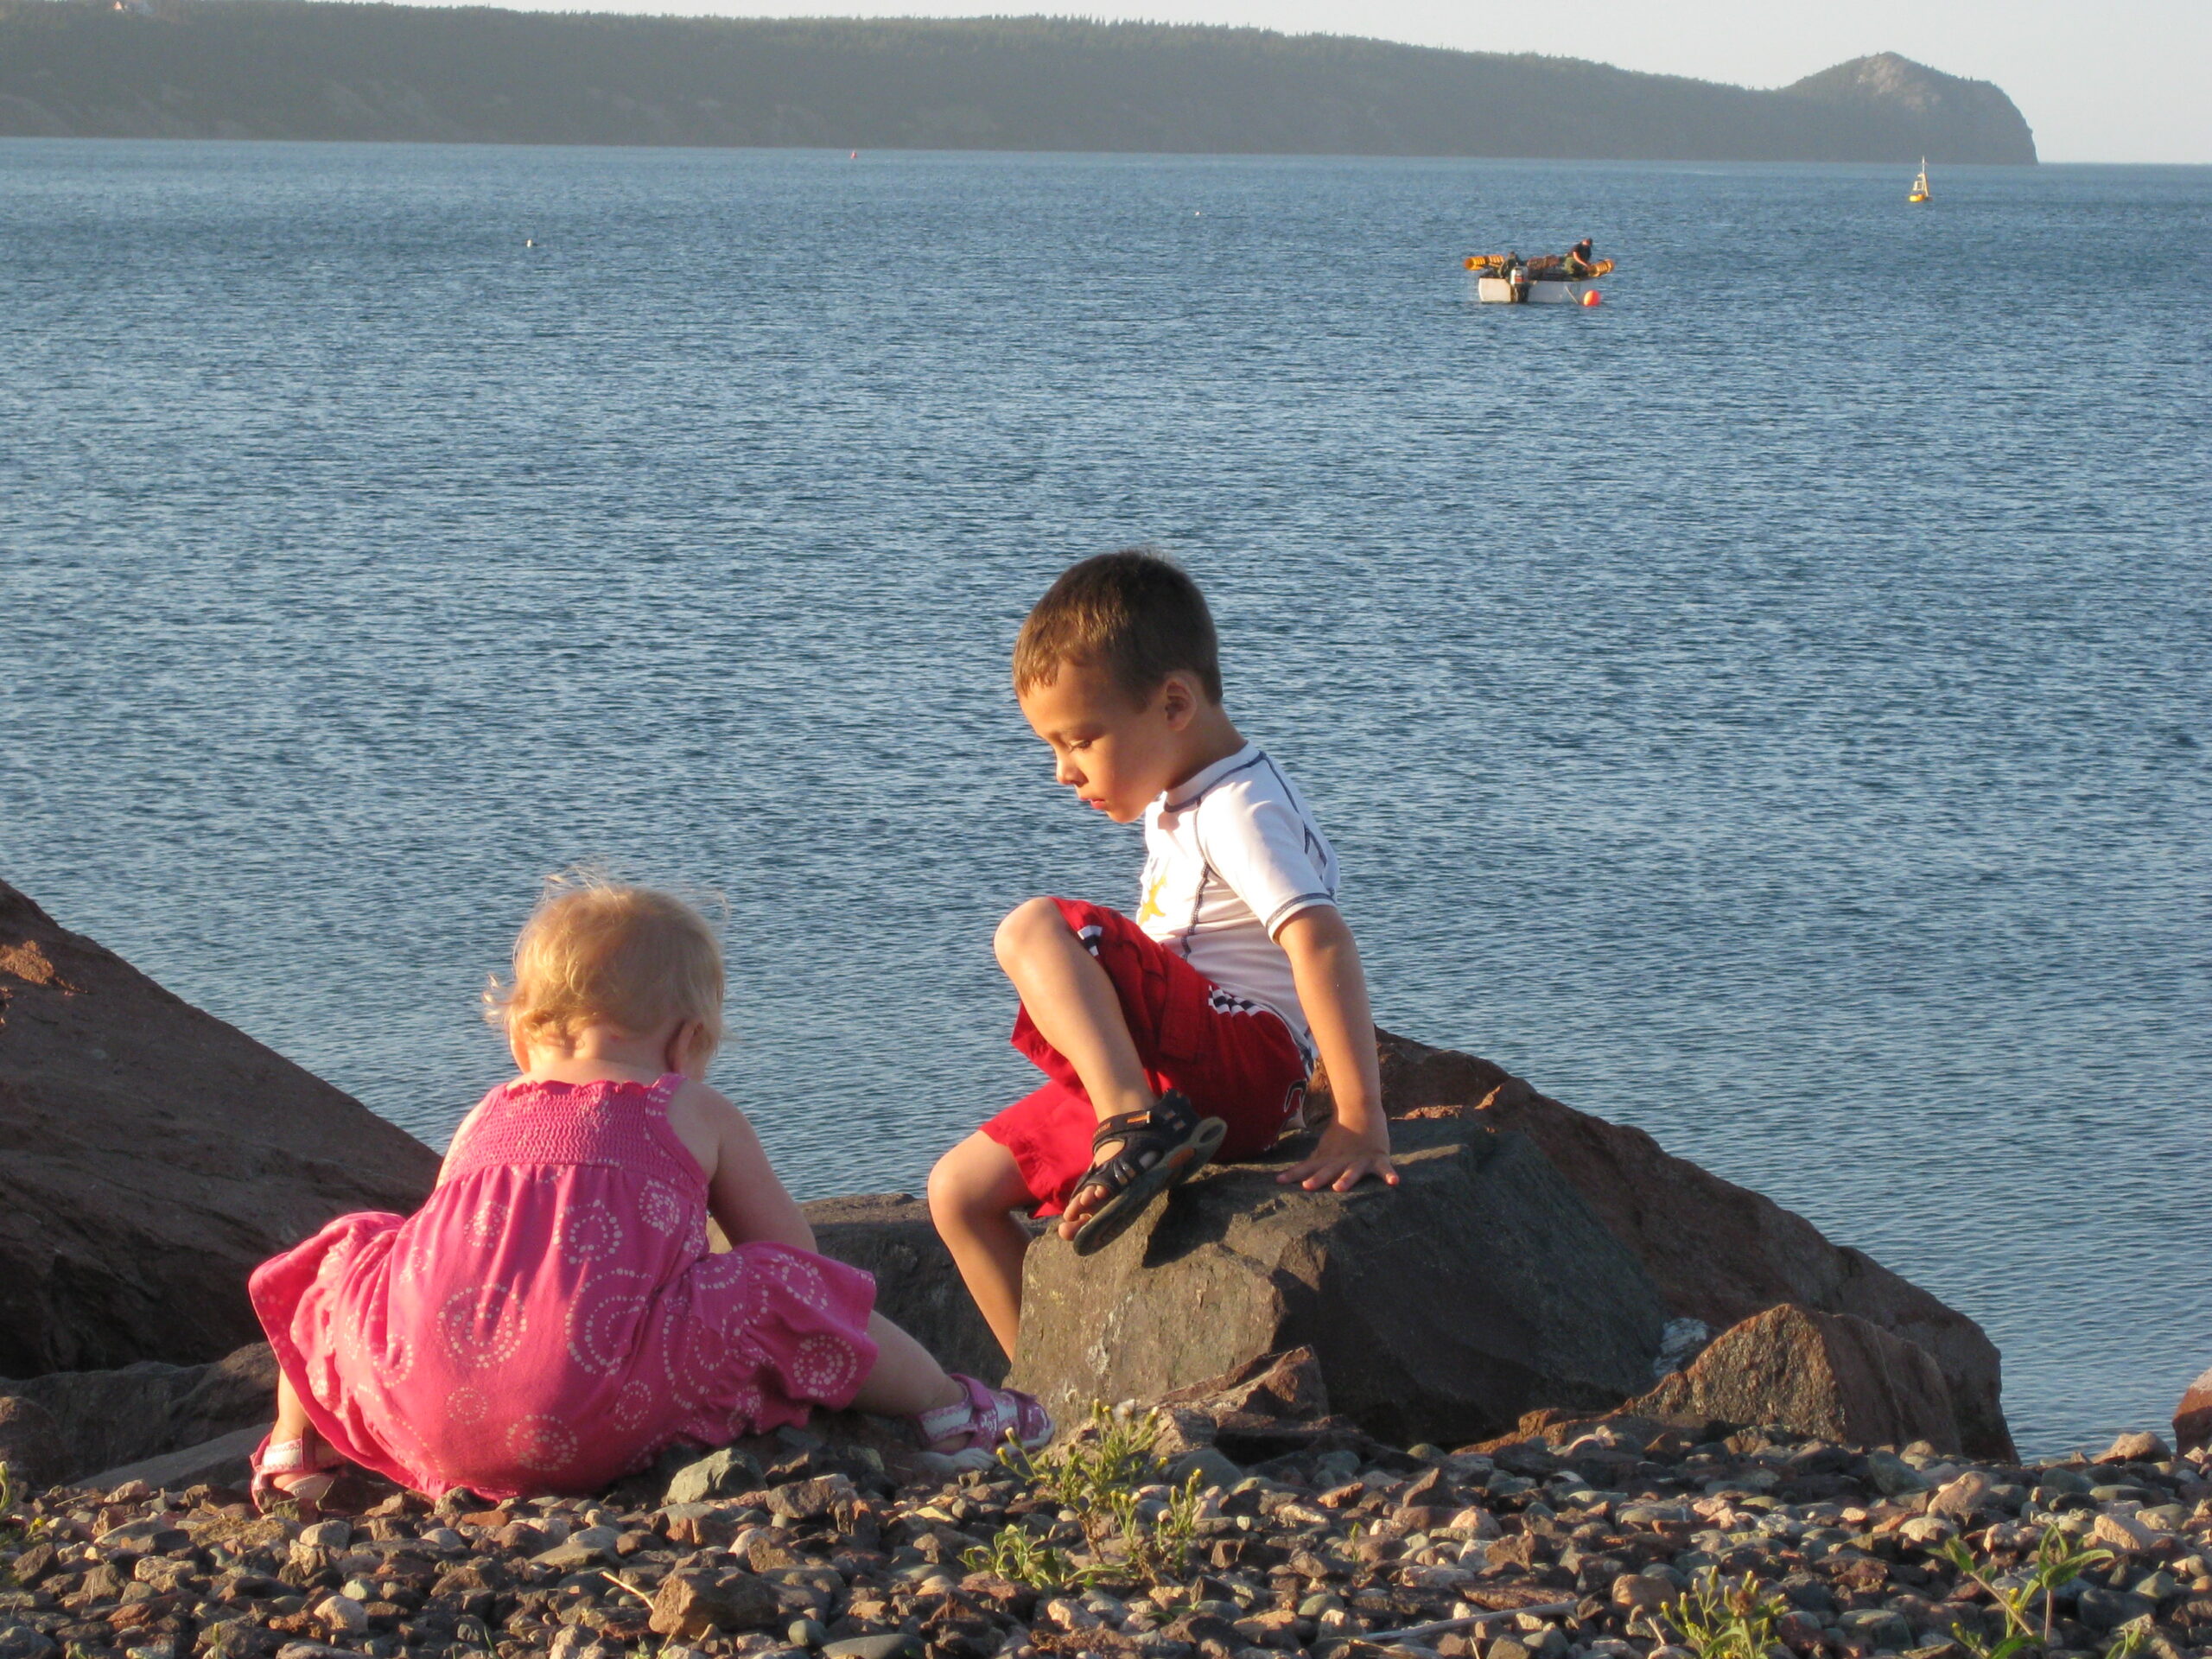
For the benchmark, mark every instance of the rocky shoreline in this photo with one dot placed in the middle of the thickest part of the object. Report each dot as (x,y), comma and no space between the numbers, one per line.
(1255,1526)
(1686,1425)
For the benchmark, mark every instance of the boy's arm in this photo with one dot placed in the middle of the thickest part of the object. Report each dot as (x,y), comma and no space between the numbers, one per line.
(1332,989)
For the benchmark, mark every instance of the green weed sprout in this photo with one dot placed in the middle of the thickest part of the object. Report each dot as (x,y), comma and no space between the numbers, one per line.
(2028,1606)
(1098,1474)
(1724,1621)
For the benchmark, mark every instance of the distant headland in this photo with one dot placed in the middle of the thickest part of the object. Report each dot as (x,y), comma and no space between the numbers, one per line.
(295,69)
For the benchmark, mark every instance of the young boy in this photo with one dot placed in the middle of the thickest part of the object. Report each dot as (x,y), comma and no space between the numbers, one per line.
(1190,1030)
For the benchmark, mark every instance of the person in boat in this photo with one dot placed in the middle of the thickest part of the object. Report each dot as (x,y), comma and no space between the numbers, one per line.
(1512,267)
(1580,261)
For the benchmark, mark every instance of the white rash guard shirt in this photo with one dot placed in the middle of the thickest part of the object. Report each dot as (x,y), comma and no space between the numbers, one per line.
(1230,855)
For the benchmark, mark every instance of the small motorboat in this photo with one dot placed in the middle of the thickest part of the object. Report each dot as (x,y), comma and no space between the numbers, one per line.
(1920,190)
(1542,281)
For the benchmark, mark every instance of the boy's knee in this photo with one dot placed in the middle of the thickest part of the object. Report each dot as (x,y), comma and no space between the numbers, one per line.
(1026,923)
(955,1186)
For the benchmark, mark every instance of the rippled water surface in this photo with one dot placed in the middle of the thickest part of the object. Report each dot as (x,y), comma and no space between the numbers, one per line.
(1771,708)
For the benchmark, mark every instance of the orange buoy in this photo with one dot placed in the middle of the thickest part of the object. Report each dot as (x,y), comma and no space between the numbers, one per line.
(1590,298)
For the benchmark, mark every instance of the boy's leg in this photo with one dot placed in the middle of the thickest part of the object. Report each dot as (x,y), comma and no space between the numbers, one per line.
(974,1191)
(1072,1002)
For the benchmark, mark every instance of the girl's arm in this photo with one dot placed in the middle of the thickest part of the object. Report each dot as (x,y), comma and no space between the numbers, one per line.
(743,1195)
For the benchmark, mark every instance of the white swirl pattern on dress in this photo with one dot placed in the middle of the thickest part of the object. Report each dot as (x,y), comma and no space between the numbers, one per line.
(823,1367)
(542,1442)
(799,1276)
(467,1407)
(633,1405)
(603,1320)
(486,1222)
(659,1208)
(482,1324)
(590,1232)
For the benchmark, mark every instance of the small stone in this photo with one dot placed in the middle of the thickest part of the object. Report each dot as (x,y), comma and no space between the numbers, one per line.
(2106,1609)
(326,1534)
(1640,1594)
(2125,1533)
(21,1642)
(894,1644)
(342,1614)
(570,1557)
(1879,1627)
(1926,1530)
(1071,1615)
(1475,1521)
(720,1474)
(810,1500)
(2136,1448)
(574,1642)
(1212,1467)
(1892,1476)
(1964,1497)
(692,1602)
(806,1633)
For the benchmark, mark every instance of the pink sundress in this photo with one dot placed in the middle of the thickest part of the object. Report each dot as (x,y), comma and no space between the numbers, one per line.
(551,1317)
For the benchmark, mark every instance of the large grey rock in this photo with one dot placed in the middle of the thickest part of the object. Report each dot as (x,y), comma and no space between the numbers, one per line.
(1826,1376)
(1720,1253)
(227,1460)
(104,1418)
(917,1285)
(1440,1309)
(32,1446)
(152,1157)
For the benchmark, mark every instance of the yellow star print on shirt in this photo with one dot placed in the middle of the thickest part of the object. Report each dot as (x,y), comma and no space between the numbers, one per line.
(1150,908)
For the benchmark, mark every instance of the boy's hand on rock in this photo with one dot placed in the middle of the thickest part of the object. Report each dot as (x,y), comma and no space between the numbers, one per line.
(1340,1160)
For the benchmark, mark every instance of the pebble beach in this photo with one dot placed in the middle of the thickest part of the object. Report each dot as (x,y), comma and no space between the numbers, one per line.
(1579,1541)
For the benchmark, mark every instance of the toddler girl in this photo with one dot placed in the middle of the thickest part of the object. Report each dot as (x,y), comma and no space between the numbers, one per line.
(551,1317)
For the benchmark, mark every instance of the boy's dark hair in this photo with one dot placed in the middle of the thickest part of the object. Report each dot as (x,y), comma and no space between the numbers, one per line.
(1132,614)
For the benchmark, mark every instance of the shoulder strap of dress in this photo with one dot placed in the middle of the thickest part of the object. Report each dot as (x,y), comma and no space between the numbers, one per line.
(664,1090)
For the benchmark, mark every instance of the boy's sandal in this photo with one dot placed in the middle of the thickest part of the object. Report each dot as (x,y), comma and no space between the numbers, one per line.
(287,1471)
(1160,1148)
(985,1420)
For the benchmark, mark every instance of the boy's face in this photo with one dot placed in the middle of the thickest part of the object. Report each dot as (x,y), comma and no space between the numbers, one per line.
(1115,754)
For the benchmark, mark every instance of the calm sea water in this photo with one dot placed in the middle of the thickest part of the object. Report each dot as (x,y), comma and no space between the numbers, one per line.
(1771,709)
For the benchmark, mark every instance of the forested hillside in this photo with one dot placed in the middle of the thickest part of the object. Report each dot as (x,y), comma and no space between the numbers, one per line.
(295,69)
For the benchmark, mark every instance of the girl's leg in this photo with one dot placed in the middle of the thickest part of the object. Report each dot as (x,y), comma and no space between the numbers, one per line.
(953,1414)
(292,1422)
(905,1382)
(974,1191)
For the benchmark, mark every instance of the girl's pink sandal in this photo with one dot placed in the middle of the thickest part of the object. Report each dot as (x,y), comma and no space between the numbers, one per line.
(986,1418)
(291,1470)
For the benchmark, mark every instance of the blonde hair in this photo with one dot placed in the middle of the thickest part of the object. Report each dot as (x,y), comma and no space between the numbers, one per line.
(600,951)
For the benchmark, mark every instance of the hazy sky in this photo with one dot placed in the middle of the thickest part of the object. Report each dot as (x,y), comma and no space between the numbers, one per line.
(2099,80)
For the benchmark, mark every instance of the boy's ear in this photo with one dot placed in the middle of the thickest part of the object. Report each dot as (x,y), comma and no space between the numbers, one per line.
(1178,700)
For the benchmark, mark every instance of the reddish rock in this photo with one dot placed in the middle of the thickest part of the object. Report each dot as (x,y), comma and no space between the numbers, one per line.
(2193,1416)
(151,1156)
(1718,1252)
(1828,1376)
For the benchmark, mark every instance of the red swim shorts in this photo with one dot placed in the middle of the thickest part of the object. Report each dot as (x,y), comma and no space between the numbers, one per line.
(1233,1059)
